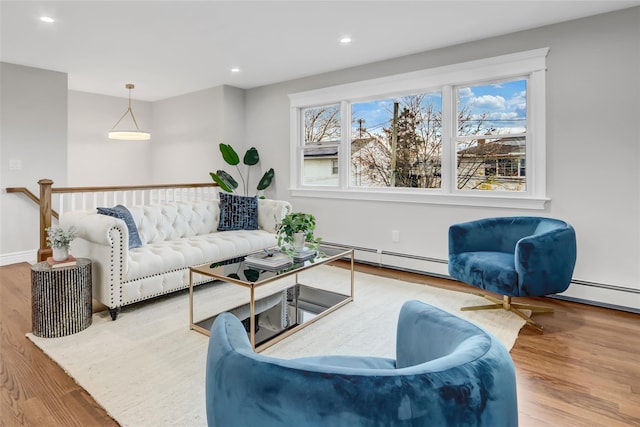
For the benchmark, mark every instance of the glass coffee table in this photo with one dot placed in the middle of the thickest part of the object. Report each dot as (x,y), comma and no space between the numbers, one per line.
(278,301)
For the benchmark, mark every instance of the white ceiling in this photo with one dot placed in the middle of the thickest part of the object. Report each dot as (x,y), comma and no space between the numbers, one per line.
(169,48)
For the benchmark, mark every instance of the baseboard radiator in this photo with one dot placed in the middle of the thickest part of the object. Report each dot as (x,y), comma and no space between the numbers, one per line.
(367,252)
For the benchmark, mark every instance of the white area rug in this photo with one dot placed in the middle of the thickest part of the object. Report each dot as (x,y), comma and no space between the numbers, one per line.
(147,368)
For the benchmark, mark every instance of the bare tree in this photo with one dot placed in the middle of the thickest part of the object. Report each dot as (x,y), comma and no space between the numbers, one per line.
(417,155)
(322,124)
(468,160)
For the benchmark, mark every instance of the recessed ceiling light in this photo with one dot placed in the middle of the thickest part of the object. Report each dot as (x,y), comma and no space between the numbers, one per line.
(235,70)
(47,19)
(345,40)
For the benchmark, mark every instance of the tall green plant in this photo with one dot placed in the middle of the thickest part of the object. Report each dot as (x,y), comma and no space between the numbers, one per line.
(251,158)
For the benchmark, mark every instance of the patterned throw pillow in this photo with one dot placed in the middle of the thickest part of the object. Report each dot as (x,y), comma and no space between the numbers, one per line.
(124,214)
(238,212)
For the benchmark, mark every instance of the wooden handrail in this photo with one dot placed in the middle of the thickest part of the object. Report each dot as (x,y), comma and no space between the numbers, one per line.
(46,209)
(127,188)
(30,195)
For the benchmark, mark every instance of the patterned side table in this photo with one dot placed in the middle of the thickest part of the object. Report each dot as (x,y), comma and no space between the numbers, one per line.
(61,299)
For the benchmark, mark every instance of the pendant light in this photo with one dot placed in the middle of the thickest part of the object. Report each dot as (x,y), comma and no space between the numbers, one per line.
(131,135)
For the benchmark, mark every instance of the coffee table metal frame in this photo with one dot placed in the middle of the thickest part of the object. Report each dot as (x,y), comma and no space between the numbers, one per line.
(214,273)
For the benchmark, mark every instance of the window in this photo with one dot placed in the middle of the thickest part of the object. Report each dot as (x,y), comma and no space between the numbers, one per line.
(397,142)
(322,133)
(470,134)
(491,135)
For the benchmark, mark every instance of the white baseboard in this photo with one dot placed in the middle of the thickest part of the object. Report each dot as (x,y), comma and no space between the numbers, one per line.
(609,296)
(16,257)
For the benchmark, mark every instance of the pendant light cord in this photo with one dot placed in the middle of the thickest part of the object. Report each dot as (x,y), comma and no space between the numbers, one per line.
(129,110)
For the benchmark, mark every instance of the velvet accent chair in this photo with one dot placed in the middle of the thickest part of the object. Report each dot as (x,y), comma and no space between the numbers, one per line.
(514,256)
(447,372)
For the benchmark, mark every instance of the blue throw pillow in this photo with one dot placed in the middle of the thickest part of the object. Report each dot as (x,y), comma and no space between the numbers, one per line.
(238,212)
(124,214)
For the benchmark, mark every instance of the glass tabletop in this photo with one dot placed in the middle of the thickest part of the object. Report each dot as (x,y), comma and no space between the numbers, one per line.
(261,267)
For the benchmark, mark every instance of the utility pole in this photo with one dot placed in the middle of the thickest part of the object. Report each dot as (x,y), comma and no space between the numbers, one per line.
(394,143)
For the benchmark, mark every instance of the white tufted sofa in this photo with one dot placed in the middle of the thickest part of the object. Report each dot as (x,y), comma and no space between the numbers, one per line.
(174,236)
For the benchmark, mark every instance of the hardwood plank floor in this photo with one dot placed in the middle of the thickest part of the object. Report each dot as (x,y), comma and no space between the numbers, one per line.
(35,390)
(584,370)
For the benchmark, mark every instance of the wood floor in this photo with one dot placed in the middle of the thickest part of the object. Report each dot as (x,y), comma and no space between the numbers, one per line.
(584,370)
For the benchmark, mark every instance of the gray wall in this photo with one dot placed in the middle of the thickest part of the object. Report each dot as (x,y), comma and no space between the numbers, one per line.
(94,159)
(592,153)
(187,128)
(185,133)
(33,123)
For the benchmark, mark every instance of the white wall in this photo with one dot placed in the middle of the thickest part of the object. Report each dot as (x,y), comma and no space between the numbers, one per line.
(593,153)
(232,120)
(185,131)
(96,160)
(188,128)
(33,123)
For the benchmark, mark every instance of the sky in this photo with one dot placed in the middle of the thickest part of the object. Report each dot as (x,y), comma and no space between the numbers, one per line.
(504,103)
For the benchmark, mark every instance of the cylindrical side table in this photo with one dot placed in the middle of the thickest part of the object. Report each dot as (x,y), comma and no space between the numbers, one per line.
(61,298)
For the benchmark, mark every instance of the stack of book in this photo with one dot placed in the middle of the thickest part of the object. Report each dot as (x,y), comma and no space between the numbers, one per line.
(69,262)
(304,254)
(269,260)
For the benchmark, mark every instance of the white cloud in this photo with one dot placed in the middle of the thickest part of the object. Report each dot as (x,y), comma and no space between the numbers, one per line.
(465,92)
(488,101)
(518,100)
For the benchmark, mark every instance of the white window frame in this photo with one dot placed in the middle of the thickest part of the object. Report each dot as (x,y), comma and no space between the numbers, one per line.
(530,64)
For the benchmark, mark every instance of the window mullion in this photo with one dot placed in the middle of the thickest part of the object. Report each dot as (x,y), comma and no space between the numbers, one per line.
(344,150)
(536,130)
(448,140)
(296,154)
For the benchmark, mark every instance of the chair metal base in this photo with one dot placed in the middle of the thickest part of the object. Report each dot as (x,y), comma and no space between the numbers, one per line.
(506,304)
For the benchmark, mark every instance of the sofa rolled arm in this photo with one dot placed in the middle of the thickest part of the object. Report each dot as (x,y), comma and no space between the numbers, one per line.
(95,228)
(271,212)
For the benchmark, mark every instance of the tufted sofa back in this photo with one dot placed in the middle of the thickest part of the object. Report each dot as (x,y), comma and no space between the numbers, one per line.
(171,221)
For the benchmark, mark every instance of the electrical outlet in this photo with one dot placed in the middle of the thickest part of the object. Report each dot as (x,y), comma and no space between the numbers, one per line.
(395,236)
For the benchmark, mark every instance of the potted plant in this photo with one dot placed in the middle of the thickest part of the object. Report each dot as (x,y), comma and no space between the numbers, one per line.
(59,240)
(297,231)
(251,158)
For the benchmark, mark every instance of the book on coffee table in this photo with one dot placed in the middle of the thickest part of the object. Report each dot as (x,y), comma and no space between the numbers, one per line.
(271,260)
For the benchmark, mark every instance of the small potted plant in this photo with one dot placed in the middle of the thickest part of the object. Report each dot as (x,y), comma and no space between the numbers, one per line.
(59,241)
(296,231)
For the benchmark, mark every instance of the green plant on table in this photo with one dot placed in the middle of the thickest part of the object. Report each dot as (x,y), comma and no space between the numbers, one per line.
(293,224)
(59,238)
(251,158)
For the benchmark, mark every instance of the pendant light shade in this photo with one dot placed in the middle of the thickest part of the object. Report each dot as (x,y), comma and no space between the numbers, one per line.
(128,134)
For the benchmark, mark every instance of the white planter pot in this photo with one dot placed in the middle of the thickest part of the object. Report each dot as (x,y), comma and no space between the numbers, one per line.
(60,254)
(298,241)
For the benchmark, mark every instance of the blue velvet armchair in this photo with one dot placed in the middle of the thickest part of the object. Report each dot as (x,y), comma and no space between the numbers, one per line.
(515,257)
(447,372)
